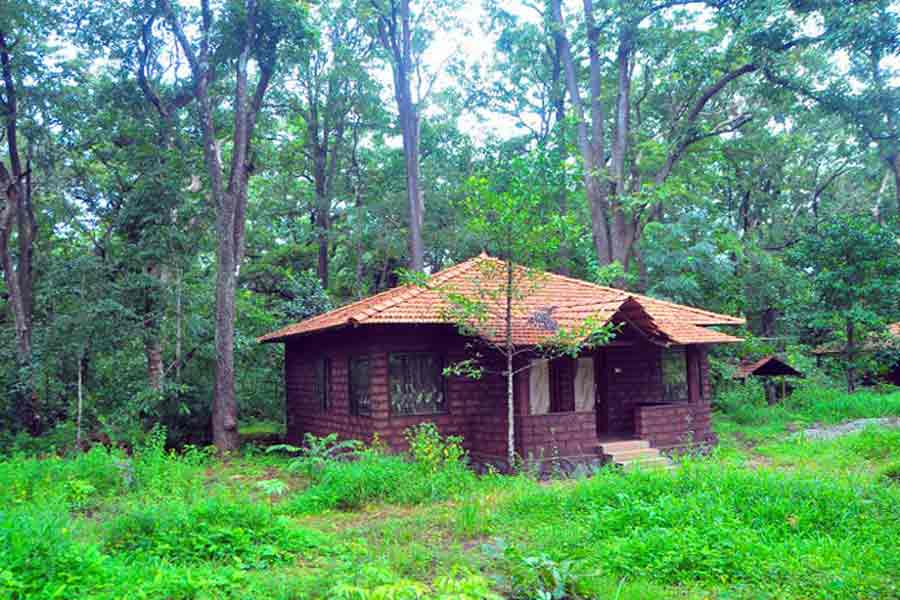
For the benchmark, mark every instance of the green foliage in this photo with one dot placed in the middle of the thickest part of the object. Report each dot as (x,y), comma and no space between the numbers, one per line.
(459,584)
(533,576)
(318,452)
(239,533)
(709,523)
(432,451)
(272,487)
(745,405)
(437,471)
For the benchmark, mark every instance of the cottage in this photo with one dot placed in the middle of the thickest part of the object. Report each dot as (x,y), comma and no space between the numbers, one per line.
(376,366)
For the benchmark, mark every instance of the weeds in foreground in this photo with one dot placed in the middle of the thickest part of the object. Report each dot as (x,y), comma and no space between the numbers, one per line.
(159,525)
(436,470)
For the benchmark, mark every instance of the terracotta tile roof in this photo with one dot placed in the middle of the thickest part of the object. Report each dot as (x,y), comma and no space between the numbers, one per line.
(547,303)
(765,366)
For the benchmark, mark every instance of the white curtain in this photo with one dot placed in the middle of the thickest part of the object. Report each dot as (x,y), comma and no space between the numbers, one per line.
(584,384)
(539,387)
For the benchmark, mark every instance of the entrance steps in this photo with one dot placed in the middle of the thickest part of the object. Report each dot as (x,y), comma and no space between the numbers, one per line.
(633,454)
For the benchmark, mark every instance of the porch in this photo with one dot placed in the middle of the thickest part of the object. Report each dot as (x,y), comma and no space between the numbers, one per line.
(615,403)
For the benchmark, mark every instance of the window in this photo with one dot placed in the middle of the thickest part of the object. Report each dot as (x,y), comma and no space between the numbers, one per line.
(359,386)
(561,385)
(562,390)
(416,384)
(322,383)
(674,375)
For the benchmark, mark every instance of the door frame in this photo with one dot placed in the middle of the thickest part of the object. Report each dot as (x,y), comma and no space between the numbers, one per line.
(601,386)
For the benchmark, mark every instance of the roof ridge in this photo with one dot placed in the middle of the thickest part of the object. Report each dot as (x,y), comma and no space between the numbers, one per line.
(636,295)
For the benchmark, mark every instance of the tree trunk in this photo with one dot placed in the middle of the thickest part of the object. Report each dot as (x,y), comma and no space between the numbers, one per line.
(153,349)
(179,317)
(895,168)
(510,389)
(851,356)
(395,36)
(591,142)
(771,392)
(323,224)
(225,410)
(409,124)
(80,408)
(18,215)
(230,199)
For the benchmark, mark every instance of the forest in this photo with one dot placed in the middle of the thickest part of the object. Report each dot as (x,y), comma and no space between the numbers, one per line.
(181,177)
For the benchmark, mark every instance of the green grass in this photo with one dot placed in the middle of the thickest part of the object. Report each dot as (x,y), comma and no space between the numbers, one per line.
(766,516)
(744,416)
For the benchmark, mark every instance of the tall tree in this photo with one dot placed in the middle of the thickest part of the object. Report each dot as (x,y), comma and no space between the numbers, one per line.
(854,270)
(629,149)
(335,84)
(17,215)
(405,35)
(866,94)
(258,31)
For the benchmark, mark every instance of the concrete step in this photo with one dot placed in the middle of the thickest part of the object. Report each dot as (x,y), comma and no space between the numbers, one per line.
(610,448)
(660,462)
(638,454)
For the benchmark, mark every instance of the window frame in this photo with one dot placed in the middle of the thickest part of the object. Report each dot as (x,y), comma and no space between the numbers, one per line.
(353,404)
(443,384)
(686,375)
(322,388)
(557,370)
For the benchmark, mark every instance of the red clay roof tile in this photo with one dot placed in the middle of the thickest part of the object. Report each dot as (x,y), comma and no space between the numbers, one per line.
(547,302)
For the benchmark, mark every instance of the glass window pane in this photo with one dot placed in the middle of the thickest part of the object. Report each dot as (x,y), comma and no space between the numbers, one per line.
(674,375)
(321,383)
(359,387)
(416,383)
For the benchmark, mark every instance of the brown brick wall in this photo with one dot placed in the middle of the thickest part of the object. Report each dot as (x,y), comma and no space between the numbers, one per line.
(477,408)
(672,425)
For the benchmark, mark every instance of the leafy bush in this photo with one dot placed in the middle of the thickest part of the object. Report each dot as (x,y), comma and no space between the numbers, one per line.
(42,559)
(438,471)
(163,473)
(317,452)
(717,524)
(381,584)
(891,472)
(432,451)
(242,533)
(529,577)
(93,475)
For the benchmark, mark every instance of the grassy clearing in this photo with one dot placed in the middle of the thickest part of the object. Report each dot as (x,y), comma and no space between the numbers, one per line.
(745,417)
(785,519)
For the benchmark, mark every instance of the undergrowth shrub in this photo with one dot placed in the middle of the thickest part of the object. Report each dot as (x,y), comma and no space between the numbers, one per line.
(243,534)
(158,472)
(374,583)
(41,558)
(317,452)
(874,444)
(745,405)
(437,471)
(78,480)
(718,524)
(38,558)
(832,405)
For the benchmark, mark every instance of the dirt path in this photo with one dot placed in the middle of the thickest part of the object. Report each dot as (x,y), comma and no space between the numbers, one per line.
(823,432)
